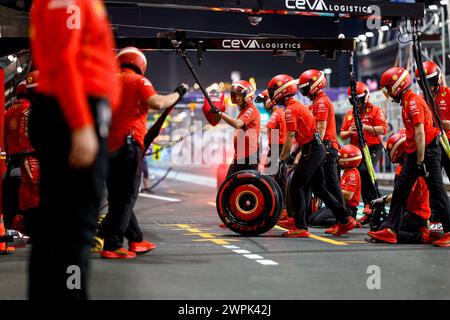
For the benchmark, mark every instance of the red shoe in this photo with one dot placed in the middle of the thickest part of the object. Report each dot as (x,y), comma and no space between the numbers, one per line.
(287,223)
(363,220)
(428,236)
(444,241)
(141,247)
(296,233)
(222,226)
(344,228)
(332,230)
(284,215)
(384,235)
(121,253)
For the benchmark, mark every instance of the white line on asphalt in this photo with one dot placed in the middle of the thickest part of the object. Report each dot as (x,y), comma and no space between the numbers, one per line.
(247,254)
(229,246)
(267,262)
(152,196)
(242,251)
(253,256)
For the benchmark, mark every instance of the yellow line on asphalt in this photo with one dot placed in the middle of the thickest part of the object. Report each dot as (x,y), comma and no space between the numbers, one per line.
(203,235)
(182,226)
(216,241)
(338,243)
(198,232)
(313,236)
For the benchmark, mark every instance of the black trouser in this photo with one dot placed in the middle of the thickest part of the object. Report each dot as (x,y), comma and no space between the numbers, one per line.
(288,197)
(124,179)
(332,172)
(250,163)
(410,226)
(325,217)
(309,172)
(70,199)
(445,162)
(404,182)
(368,190)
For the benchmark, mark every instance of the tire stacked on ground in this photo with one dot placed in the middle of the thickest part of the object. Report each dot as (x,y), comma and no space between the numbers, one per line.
(249,203)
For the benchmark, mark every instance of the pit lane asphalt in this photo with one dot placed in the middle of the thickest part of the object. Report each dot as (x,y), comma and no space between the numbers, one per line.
(196,259)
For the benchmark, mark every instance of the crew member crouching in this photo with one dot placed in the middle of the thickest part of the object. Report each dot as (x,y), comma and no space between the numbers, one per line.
(349,160)
(413,228)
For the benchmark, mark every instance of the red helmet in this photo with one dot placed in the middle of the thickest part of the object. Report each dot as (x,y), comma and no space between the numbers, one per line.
(311,82)
(362,93)
(396,146)
(21,89)
(32,80)
(433,75)
(282,86)
(431,70)
(351,156)
(245,88)
(395,81)
(132,58)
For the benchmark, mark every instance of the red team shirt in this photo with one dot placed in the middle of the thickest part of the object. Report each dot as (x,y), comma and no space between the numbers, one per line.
(323,110)
(416,111)
(418,200)
(16,128)
(277,121)
(131,115)
(373,115)
(249,133)
(75,57)
(442,101)
(300,120)
(351,181)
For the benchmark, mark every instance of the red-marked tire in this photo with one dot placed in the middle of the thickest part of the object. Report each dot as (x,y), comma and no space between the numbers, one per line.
(249,203)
